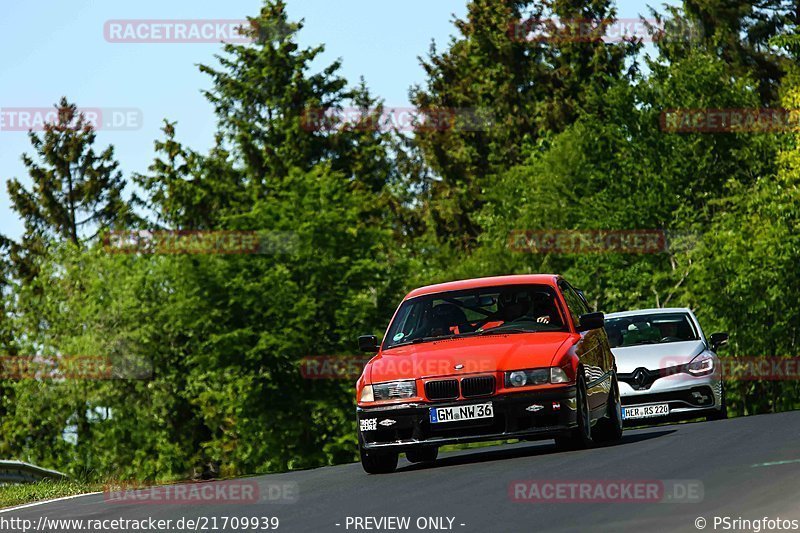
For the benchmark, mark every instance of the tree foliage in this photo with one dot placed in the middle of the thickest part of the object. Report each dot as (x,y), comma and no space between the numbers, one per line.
(565,134)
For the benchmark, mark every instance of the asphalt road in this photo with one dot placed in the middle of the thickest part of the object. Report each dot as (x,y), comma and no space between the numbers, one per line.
(746,468)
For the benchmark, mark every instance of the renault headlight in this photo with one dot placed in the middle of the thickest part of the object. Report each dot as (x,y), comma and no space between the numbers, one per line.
(701,365)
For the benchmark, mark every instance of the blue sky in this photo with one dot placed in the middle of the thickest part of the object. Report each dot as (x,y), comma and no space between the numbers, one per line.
(54,48)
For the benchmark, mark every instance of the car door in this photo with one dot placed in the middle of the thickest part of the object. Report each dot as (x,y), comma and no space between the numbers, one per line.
(592,350)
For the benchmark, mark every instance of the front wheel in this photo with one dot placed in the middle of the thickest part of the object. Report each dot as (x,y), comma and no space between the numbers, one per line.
(722,414)
(378,463)
(609,429)
(580,437)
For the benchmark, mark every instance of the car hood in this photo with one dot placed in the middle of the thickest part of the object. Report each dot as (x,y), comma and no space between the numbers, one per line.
(476,354)
(656,356)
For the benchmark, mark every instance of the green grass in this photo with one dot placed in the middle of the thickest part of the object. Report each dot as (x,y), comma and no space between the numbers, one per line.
(12,495)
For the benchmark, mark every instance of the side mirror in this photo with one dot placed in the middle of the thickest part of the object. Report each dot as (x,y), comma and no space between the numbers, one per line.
(591,321)
(717,340)
(368,343)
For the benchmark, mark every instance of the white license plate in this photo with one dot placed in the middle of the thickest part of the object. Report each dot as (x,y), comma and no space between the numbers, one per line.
(645,411)
(460,413)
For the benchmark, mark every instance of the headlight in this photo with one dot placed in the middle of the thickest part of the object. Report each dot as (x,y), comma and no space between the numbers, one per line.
(395,390)
(557,375)
(517,379)
(521,378)
(366,394)
(701,365)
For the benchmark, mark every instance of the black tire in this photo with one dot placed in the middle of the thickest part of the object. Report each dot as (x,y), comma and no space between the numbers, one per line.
(722,414)
(427,454)
(580,437)
(378,463)
(609,429)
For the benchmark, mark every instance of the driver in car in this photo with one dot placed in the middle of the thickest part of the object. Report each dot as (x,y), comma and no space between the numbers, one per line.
(543,308)
(513,306)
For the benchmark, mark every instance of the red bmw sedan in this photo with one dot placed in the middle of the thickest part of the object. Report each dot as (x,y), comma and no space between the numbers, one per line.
(511,357)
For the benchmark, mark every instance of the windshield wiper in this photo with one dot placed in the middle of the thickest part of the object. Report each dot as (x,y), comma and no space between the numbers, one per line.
(493,331)
(422,339)
(500,331)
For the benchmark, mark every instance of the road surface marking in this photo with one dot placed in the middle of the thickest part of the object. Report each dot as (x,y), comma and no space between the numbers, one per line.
(777,463)
(35,504)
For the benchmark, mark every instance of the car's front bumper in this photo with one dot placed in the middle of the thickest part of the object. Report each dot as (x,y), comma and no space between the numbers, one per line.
(687,396)
(524,415)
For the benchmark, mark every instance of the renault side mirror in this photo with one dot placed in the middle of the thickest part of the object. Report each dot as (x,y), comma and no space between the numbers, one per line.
(718,340)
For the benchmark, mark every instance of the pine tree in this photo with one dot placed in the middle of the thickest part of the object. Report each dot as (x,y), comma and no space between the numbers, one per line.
(188,190)
(75,192)
(521,88)
(276,115)
(739,33)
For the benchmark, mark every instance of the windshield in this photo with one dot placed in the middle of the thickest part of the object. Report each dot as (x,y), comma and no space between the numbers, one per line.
(480,311)
(655,328)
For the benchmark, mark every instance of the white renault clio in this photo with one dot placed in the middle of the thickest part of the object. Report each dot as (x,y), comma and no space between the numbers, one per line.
(666,367)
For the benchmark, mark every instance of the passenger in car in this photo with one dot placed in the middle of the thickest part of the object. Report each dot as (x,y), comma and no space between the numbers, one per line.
(640,332)
(447,319)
